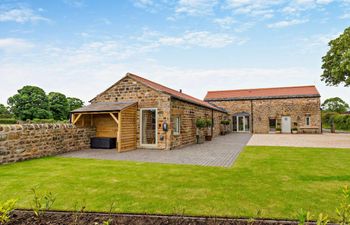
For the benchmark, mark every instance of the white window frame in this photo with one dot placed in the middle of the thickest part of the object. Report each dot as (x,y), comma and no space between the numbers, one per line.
(177,122)
(149,145)
(308,116)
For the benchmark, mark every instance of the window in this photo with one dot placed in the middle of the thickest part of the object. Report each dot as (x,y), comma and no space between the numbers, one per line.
(308,120)
(177,125)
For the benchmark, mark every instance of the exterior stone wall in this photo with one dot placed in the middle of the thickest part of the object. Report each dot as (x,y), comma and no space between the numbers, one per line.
(188,114)
(262,110)
(21,142)
(128,89)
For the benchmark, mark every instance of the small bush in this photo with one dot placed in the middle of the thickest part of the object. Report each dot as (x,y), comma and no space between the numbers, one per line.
(43,121)
(8,121)
(200,123)
(208,123)
(5,209)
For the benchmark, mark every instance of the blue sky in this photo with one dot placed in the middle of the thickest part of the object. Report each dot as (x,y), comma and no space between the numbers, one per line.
(80,47)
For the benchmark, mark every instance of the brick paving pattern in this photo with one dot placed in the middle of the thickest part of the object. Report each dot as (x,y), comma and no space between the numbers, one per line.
(221,151)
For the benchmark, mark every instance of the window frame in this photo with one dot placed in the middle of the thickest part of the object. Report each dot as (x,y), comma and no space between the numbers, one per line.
(177,122)
(308,120)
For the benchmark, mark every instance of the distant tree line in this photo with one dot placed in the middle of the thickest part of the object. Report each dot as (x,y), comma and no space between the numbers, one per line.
(32,103)
(335,113)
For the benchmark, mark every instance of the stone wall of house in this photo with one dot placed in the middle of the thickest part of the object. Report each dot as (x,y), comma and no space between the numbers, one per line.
(188,114)
(127,89)
(263,110)
(21,142)
(296,108)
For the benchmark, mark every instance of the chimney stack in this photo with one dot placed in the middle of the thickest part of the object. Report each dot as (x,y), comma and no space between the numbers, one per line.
(180,90)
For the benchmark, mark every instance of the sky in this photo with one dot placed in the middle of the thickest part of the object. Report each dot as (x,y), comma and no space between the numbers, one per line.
(81,47)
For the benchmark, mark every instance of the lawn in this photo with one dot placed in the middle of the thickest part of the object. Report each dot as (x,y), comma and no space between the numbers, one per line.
(279,181)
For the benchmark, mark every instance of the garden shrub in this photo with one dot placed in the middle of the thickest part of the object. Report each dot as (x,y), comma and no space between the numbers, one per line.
(341,121)
(8,121)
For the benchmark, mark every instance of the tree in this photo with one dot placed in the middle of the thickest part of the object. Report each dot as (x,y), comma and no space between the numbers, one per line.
(4,110)
(335,104)
(74,103)
(30,103)
(336,63)
(58,105)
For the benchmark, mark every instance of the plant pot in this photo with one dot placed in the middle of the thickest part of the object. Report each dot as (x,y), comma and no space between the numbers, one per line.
(200,139)
(208,138)
(277,132)
(294,131)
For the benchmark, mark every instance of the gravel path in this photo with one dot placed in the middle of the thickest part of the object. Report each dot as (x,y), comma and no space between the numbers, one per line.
(221,151)
(325,140)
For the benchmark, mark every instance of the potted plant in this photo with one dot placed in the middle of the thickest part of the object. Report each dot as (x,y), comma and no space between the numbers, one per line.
(295,128)
(278,130)
(208,124)
(224,124)
(200,124)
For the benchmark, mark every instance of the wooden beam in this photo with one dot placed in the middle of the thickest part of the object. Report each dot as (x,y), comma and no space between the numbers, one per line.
(76,119)
(115,118)
(119,139)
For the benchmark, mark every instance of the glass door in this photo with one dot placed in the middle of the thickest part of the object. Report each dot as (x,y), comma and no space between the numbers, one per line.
(148,128)
(242,123)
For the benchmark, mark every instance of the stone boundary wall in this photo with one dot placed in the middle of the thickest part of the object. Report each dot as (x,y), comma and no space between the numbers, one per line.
(27,141)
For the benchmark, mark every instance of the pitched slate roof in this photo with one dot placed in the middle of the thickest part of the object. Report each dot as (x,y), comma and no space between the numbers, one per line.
(174,93)
(104,107)
(263,93)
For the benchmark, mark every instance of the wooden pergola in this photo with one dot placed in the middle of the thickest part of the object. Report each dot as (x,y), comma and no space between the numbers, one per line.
(111,120)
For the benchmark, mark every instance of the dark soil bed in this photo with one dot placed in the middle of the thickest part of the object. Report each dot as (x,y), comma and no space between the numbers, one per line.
(23,217)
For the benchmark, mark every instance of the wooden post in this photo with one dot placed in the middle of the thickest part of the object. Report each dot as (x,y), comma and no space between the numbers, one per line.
(119,140)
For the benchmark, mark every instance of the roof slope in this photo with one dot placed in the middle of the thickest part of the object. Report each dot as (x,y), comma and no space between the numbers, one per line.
(263,93)
(104,107)
(174,93)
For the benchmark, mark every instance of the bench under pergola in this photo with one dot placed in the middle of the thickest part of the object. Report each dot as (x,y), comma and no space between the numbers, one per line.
(111,120)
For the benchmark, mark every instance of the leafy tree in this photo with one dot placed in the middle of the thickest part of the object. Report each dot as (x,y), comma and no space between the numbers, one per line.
(74,103)
(3,110)
(335,104)
(336,63)
(58,105)
(29,103)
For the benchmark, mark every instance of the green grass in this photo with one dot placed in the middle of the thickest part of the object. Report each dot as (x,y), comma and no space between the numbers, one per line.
(277,180)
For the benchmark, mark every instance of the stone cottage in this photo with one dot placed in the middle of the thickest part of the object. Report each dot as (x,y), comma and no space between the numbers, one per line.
(143,114)
(267,110)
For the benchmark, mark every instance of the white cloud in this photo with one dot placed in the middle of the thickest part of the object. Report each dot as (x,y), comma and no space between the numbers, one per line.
(20,15)
(286,23)
(14,45)
(75,3)
(345,16)
(200,39)
(261,8)
(196,7)
(225,22)
(297,6)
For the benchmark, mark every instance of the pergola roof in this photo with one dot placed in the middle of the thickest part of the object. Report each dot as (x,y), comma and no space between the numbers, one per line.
(104,107)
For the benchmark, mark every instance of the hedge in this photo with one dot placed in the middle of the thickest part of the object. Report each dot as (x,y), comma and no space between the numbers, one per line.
(8,121)
(341,121)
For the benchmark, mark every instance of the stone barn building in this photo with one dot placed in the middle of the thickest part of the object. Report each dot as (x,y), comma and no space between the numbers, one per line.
(143,114)
(266,110)
(139,113)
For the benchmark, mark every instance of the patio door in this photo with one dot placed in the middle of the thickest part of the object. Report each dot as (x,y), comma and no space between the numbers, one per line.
(242,123)
(148,127)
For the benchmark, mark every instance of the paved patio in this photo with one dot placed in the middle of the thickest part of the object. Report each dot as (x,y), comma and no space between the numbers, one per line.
(221,151)
(325,140)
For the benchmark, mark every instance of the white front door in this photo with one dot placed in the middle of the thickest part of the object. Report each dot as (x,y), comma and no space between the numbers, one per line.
(286,124)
